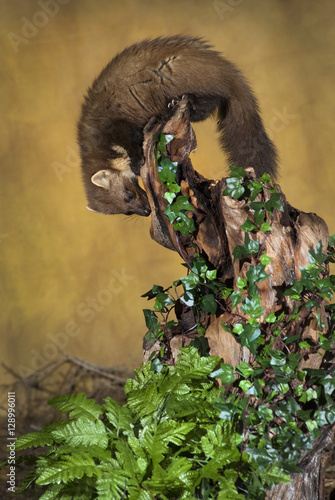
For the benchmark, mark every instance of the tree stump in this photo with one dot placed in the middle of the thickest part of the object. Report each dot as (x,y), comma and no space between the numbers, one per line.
(217,221)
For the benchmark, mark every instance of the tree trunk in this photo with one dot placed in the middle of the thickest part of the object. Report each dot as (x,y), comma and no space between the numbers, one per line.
(217,220)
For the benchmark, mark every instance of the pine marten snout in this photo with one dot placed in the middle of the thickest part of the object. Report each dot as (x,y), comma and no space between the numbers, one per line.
(137,85)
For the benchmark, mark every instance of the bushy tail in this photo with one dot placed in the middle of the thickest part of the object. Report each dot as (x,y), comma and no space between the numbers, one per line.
(243,137)
(217,83)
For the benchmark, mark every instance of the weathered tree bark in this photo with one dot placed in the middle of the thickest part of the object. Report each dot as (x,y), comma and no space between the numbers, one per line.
(217,220)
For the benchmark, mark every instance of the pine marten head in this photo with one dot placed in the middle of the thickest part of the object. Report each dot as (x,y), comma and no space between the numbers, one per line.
(114,188)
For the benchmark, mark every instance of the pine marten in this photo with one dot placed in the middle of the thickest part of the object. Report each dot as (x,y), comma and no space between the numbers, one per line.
(139,83)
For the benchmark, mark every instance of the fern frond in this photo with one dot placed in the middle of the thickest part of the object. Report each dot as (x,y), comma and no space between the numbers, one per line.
(190,362)
(112,484)
(149,440)
(174,432)
(129,460)
(138,493)
(119,416)
(145,402)
(36,439)
(77,406)
(175,479)
(82,432)
(142,376)
(67,469)
(53,493)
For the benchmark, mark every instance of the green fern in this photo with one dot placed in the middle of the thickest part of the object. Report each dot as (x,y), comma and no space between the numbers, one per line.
(77,406)
(41,438)
(82,432)
(137,450)
(112,484)
(68,468)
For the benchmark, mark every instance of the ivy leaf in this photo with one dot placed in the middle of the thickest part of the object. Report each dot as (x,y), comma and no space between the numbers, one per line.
(173,187)
(239,328)
(225,373)
(278,358)
(151,319)
(208,304)
(331,415)
(167,170)
(304,344)
(311,303)
(295,290)
(257,206)
(249,335)
(152,324)
(265,413)
(252,307)
(233,188)
(169,196)
(274,202)
(248,226)
(190,281)
(156,365)
(249,247)
(211,275)
(316,256)
(245,385)
(259,216)
(255,188)
(265,259)
(188,298)
(241,283)
(329,383)
(245,369)
(182,203)
(154,291)
(164,139)
(238,172)
(162,301)
(271,318)
(265,227)
(265,178)
(287,409)
(256,274)
(184,224)
(236,298)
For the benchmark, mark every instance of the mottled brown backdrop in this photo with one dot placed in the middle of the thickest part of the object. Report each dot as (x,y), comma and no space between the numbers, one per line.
(71,278)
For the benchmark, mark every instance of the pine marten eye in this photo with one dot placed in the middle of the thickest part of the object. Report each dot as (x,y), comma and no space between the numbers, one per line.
(130,196)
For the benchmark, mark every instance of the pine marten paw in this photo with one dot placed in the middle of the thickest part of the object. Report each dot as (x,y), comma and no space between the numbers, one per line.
(214,183)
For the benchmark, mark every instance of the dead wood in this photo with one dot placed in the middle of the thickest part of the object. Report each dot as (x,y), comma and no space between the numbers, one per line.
(217,221)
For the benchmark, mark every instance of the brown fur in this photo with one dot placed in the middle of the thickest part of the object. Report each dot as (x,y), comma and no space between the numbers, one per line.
(138,84)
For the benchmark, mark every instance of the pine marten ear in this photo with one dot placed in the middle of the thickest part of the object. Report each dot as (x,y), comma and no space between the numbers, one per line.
(102,178)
